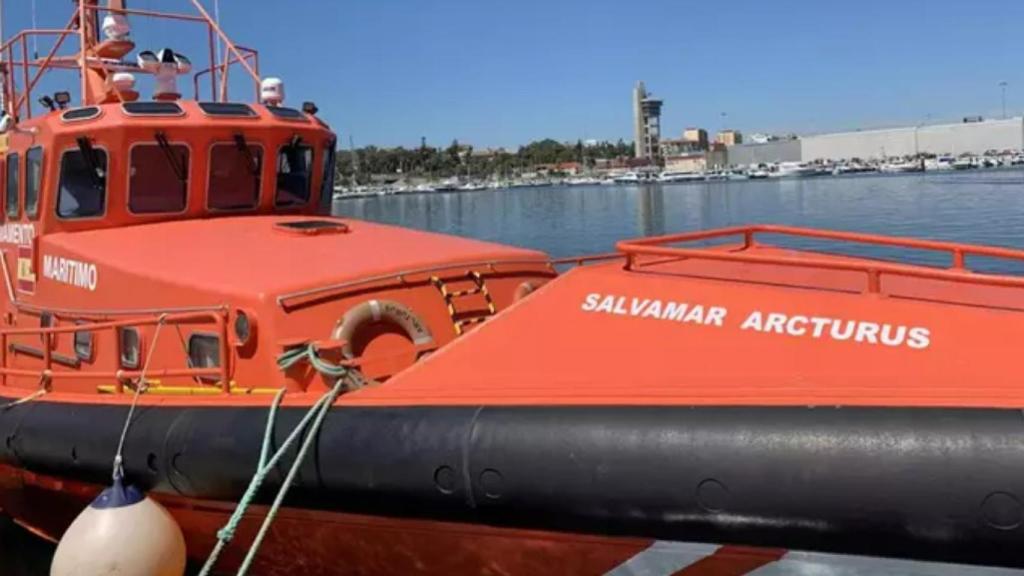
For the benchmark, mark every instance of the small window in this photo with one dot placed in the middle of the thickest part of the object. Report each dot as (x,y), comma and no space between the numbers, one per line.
(80,113)
(33,180)
(13,209)
(130,343)
(158,180)
(46,320)
(152,109)
(83,182)
(294,164)
(327,184)
(83,345)
(204,352)
(235,176)
(229,109)
(286,113)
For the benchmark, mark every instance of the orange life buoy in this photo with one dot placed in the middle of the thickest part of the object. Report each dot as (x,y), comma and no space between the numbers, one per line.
(381,311)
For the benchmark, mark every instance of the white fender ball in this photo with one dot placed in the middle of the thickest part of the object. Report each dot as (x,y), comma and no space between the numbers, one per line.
(122,533)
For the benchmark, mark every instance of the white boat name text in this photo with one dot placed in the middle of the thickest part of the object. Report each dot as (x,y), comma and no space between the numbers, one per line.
(793,325)
(70,272)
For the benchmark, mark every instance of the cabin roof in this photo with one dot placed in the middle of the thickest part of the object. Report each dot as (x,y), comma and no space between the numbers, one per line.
(242,255)
(189,114)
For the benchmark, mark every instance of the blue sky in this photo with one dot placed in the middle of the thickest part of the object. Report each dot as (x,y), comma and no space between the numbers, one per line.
(504,72)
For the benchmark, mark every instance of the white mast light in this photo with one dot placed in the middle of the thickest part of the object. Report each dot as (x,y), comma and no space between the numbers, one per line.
(115,27)
(272,91)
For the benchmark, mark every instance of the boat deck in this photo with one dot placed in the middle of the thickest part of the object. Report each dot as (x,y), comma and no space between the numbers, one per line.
(738,325)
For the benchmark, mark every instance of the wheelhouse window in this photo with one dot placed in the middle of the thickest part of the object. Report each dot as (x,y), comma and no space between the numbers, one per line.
(327,183)
(294,164)
(158,178)
(33,180)
(83,182)
(11,197)
(235,175)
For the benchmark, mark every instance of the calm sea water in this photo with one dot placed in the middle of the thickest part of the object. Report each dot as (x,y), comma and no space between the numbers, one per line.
(984,207)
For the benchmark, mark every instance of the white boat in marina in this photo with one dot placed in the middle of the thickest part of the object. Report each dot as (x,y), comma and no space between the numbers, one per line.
(449,185)
(583,181)
(853,168)
(965,163)
(794,170)
(673,176)
(635,178)
(944,162)
(902,166)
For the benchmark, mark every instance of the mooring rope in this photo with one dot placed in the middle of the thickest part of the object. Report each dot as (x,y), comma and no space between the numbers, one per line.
(139,389)
(308,353)
(313,419)
(44,381)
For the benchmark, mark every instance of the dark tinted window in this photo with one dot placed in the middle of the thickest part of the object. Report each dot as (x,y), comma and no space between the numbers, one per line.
(286,113)
(158,178)
(294,164)
(13,179)
(83,183)
(81,113)
(204,352)
(152,108)
(131,347)
(227,109)
(235,176)
(327,169)
(33,180)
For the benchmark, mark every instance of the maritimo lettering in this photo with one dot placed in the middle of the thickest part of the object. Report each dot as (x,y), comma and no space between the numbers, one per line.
(795,325)
(72,272)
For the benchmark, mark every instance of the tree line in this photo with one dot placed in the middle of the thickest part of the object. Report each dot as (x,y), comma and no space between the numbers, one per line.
(462,160)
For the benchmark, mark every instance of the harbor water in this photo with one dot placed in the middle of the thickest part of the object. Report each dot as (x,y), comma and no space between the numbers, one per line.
(985,207)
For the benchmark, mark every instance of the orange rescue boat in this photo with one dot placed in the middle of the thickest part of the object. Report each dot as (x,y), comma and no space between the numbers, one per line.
(170,270)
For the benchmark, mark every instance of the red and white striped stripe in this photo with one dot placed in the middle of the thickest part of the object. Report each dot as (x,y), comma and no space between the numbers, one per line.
(664,558)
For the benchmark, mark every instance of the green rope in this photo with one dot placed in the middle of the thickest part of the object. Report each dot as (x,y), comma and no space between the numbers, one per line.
(308,353)
(316,414)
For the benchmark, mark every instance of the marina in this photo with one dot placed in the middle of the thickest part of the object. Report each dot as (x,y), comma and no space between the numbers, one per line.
(1000,161)
(976,206)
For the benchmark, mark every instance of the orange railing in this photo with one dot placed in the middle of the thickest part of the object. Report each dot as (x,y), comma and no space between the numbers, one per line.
(119,376)
(17,67)
(873,269)
(249,55)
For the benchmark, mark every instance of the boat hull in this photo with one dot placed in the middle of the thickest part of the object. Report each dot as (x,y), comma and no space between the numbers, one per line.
(932,484)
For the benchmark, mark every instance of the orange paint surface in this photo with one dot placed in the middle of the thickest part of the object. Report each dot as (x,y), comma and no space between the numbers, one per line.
(552,350)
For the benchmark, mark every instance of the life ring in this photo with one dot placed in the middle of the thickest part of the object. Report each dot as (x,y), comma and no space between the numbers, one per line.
(377,311)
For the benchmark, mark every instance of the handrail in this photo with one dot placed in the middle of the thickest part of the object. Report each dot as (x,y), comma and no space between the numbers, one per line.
(586,259)
(957,272)
(250,54)
(18,103)
(47,333)
(400,276)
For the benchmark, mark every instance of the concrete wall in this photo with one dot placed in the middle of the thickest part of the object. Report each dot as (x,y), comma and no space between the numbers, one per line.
(777,151)
(973,137)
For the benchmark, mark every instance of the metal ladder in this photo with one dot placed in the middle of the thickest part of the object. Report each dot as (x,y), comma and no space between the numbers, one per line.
(461,319)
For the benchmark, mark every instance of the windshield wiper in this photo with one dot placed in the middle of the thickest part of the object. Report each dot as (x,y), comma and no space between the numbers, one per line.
(178,169)
(243,147)
(91,161)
